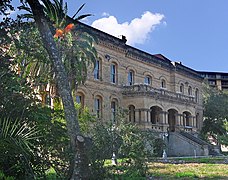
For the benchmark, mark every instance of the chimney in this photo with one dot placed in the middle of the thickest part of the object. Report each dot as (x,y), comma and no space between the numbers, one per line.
(123,38)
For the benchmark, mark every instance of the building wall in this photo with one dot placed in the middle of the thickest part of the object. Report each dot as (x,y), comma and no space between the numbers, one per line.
(127,58)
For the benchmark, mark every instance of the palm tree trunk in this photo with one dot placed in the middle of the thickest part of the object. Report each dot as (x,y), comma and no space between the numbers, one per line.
(78,169)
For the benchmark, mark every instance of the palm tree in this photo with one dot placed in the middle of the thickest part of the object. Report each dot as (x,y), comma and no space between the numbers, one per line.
(79,168)
(76,49)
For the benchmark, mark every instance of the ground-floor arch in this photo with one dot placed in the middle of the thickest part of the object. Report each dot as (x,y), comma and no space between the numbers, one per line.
(187,118)
(155,112)
(172,115)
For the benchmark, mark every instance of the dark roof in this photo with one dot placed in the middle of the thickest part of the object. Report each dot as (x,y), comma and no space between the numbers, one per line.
(210,72)
(140,55)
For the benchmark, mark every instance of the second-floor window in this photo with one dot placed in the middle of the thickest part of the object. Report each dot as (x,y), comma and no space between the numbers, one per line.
(113,73)
(189,90)
(163,83)
(130,78)
(182,88)
(97,106)
(197,95)
(113,110)
(147,80)
(96,72)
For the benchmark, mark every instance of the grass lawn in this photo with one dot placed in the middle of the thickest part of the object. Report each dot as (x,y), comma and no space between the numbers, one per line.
(188,171)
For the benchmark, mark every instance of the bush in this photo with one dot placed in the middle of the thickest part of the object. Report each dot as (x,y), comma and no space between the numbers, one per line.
(4,177)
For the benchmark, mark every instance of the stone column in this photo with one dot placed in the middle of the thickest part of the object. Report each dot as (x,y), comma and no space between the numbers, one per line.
(166,117)
(144,118)
(149,116)
(162,116)
(181,120)
(164,120)
(193,121)
(184,120)
(137,117)
(178,119)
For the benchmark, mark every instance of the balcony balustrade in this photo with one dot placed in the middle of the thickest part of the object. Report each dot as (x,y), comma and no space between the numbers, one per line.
(146,90)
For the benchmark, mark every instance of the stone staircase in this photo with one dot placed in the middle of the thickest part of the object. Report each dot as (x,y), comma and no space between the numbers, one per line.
(193,138)
(212,149)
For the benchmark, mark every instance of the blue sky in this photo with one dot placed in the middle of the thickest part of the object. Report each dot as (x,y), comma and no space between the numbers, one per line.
(194,32)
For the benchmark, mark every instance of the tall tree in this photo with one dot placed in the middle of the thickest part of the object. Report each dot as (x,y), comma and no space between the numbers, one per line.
(215,113)
(79,168)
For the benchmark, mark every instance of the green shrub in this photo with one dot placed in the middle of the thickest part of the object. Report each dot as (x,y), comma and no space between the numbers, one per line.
(4,177)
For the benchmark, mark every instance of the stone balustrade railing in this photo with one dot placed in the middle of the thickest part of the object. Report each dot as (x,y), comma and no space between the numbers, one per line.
(143,89)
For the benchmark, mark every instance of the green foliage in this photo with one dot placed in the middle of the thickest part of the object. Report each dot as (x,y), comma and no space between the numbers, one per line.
(4,177)
(215,113)
(127,141)
(16,144)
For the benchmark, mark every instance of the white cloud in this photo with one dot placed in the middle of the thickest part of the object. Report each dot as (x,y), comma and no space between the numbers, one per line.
(105,14)
(136,31)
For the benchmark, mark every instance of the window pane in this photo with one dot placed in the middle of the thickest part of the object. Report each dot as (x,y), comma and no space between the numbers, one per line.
(113,111)
(113,73)
(182,88)
(130,78)
(79,99)
(97,70)
(163,83)
(147,80)
(97,106)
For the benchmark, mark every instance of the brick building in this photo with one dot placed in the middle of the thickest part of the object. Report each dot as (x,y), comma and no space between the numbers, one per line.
(159,94)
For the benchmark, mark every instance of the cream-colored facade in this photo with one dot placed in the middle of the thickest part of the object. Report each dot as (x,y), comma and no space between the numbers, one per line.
(157,93)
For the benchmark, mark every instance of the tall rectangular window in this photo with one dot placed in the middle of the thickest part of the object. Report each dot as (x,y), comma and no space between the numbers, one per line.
(80,99)
(96,72)
(97,107)
(113,73)
(130,78)
(147,80)
(113,111)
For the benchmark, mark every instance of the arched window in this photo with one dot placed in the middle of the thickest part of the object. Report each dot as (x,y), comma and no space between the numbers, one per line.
(182,88)
(97,70)
(131,77)
(197,95)
(114,105)
(147,80)
(189,90)
(187,118)
(163,83)
(80,98)
(113,73)
(131,113)
(98,106)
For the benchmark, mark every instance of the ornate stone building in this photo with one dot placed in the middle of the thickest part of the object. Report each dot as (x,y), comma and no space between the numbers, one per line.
(159,94)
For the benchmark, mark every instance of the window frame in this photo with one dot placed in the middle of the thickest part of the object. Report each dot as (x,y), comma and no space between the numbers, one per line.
(98,106)
(149,79)
(113,73)
(130,77)
(97,70)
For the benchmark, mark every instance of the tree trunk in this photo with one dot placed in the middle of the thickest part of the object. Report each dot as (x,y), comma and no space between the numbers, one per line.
(63,88)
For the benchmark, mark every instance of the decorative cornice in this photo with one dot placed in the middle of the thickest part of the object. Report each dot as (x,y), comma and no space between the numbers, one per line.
(120,45)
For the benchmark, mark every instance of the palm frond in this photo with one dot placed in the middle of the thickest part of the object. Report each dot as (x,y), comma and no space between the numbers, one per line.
(18,132)
(79,9)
